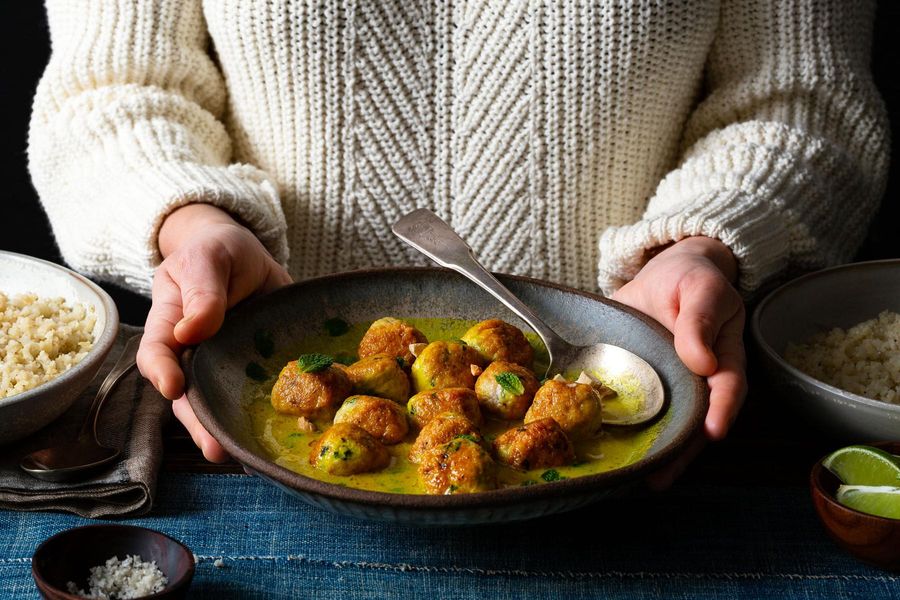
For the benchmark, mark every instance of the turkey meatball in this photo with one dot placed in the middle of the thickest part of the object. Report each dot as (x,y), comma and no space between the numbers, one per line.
(314,395)
(506,389)
(381,418)
(574,406)
(440,430)
(425,406)
(537,444)
(392,337)
(345,449)
(380,375)
(445,365)
(498,340)
(460,466)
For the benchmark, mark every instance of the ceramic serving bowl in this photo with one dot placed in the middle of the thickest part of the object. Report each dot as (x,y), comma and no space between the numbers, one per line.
(838,297)
(216,375)
(26,412)
(875,540)
(69,555)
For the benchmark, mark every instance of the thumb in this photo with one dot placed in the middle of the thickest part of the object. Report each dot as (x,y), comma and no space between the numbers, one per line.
(203,281)
(703,309)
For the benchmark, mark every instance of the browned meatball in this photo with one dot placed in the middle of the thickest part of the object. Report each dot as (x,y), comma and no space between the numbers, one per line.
(315,396)
(506,389)
(425,406)
(460,466)
(440,430)
(445,365)
(346,449)
(574,406)
(380,375)
(538,444)
(392,337)
(383,419)
(498,340)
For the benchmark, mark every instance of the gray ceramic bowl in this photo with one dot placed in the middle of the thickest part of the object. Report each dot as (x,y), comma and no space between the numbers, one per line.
(838,297)
(27,412)
(215,374)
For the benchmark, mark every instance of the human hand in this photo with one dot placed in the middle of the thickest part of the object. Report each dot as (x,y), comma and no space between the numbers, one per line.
(688,288)
(210,264)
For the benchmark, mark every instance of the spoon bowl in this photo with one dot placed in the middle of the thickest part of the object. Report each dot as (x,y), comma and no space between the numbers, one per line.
(77,459)
(427,233)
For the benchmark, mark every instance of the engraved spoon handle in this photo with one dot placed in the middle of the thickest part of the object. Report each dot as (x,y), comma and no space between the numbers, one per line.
(427,233)
(127,361)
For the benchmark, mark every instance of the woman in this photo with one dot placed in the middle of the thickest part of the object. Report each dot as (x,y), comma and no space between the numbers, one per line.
(674,155)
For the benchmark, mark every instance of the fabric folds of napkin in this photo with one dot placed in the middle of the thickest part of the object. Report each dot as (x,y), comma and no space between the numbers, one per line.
(131,420)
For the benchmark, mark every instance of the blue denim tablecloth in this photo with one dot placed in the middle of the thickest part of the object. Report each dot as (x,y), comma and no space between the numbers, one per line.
(694,541)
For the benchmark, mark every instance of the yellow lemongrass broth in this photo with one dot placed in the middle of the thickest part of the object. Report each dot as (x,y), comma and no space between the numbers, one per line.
(289,447)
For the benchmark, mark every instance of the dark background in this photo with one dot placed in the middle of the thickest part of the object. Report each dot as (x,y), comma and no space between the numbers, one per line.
(26,50)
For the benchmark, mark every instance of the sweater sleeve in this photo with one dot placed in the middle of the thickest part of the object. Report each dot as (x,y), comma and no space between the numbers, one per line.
(785,157)
(126,128)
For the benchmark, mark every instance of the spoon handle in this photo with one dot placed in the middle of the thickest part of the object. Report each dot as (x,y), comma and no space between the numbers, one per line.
(127,361)
(427,233)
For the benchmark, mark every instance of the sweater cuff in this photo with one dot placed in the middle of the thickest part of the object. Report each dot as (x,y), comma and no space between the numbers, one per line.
(241,190)
(751,227)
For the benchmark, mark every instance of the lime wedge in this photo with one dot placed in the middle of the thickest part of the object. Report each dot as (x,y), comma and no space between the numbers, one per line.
(864,465)
(878,500)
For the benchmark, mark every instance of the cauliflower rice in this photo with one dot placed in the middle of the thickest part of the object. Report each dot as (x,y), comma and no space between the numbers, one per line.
(131,577)
(41,338)
(864,359)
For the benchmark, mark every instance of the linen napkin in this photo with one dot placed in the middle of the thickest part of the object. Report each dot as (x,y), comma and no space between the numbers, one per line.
(131,420)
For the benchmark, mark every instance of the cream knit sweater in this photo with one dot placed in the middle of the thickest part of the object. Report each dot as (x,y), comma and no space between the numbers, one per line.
(561,138)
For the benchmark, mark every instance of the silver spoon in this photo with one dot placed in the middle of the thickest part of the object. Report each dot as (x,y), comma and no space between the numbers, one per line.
(427,233)
(86,455)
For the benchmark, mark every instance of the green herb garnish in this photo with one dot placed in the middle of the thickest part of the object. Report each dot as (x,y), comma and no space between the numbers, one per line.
(336,327)
(255,372)
(264,343)
(467,436)
(313,363)
(510,383)
(551,475)
(344,454)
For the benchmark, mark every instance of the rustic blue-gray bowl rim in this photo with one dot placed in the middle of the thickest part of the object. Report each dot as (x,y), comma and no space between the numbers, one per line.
(809,380)
(493,498)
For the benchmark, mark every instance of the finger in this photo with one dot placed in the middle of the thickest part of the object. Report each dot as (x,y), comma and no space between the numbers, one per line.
(211,449)
(157,357)
(662,480)
(277,277)
(202,279)
(728,385)
(703,309)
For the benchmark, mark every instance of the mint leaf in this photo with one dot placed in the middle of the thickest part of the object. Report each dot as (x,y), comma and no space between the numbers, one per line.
(336,327)
(255,372)
(510,383)
(264,343)
(551,475)
(313,363)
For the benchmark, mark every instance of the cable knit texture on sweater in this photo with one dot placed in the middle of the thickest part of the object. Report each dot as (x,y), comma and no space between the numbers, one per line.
(561,138)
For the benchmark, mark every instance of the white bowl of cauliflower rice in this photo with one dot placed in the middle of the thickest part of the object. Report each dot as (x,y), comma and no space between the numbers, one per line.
(56,327)
(830,342)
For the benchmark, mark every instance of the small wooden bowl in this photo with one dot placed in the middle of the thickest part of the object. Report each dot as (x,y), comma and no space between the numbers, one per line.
(875,540)
(69,555)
